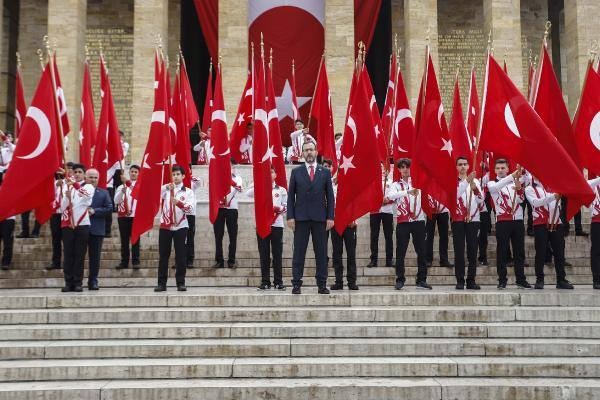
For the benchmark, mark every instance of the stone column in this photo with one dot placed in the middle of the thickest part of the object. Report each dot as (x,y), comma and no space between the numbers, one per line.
(33,17)
(581,27)
(420,17)
(339,47)
(503,19)
(67,20)
(150,17)
(233,50)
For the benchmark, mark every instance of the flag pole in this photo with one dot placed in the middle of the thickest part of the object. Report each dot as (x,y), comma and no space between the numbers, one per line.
(315,89)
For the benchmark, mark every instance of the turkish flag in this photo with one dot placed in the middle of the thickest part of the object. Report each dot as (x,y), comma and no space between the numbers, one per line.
(586,124)
(29,181)
(435,167)
(473,108)
(208,102)
(358,192)
(108,152)
(147,190)
(62,103)
(375,117)
(239,131)
(548,102)
(262,154)
(217,151)
(187,98)
(182,145)
(323,115)
(511,127)
(275,146)
(87,121)
(461,146)
(389,108)
(403,128)
(20,106)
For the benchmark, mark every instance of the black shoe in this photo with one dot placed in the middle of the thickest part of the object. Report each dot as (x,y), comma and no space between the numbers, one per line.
(596,286)
(372,264)
(323,290)
(5,267)
(66,289)
(525,264)
(524,285)
(93,286)
(51,267)
(337,286)
(423,285)
(279,286)
(399,285)
(460,286)
(181,288)
(78,288)
(352,286)
(135,263)
(174,266)
(160,288)
(501,286)
(548,263)
(446,264)
(232,265)
(530,232)
(296,290)
(108,235)
(473,286)
(483,263)
(538,284)
(568,264)
(428,264)
(218,265)
(22,236)
(564,285)
(189,264)
(264,286)
(582,233)
(35,235)
(122,266)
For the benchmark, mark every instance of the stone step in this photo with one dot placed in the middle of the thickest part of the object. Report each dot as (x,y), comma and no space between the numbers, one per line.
(294,367)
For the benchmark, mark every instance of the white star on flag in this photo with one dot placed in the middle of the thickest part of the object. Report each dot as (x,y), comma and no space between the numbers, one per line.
(347,163)
(241,119)
(284,102)
(447,146)
(269,155)
(209,153)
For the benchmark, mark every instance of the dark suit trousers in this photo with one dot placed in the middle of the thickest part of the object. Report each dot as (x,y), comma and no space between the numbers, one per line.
(404,231)
(387,220)
(189,241)
(25,224)
(442,223)
(7,228)
(75,241)
(227,217)
(56,232)
(348,238)
(595,250)
(271,244)
(465,233)
(109,215)
(165,237)
(485,229)
(94,252)
(125,225)
(303,230)
(543,239)
(510,233)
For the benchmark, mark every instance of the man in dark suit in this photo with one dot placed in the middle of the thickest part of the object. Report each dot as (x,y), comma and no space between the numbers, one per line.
(101,206)
(310,210)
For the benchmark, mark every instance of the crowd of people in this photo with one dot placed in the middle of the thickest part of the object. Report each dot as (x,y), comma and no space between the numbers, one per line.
(83,217)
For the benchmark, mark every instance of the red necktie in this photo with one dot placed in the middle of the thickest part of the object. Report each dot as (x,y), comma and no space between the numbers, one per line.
(312,173)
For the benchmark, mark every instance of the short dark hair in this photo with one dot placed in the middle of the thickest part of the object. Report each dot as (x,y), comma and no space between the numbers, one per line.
(70,164)
(403,162)
(309,142)
(79,166)
(501,161)
(178,168)
(134,166)
(299,120)
(461,158)
(328,162)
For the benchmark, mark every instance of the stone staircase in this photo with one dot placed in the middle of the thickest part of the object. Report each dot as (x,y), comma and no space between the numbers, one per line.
(237,343)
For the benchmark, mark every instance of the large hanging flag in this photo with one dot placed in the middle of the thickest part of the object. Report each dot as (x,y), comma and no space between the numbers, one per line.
(87,120)
(62,102)
(20,106)
(358,190)
(321,111)
(208,101)
(403,127)
(586,123)
(217,152)
(389,108)
(382,144)
(275,146)
(187,97)
(511,127)
(240,142)
(29,181)
(461,145)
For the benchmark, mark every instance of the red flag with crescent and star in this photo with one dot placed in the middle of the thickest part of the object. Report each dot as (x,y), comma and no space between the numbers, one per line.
(240,141)
(29,181)
(322,113)
(461,145)
(389,108)
(62,102)
(510,126)
(275,146)
(403,128)
(87,121)
(208,101)
(586,124)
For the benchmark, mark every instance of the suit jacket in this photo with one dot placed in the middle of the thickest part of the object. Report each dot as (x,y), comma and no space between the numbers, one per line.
(102,206)
(310,201)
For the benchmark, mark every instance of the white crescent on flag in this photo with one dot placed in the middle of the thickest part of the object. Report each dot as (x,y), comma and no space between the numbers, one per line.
(43,124)
(509,118)
(595,131)
(440,113)
(352,125)
(218,115)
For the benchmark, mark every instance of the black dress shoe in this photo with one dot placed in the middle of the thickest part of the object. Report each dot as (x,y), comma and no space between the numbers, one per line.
(181,288)
(264,286)
(596,286)
(483,263)
(323,290)
(218,265)
(108,235)
(160,288)
(446,264)
(189,264)
(564,285)
(460,286)
(538,284)
(530,232)
(423,285)
(501,286)
(66,289)
(22,236)
(582,233)
(35,235)
(78,288)
(5,267)
(524,285)
(93,286)
(51,267)
(372,264)
(279,286)
(352,286)
(232,265)
(473,286)
(296,290)
(121,266)
(136,264)
(399,285)
(337,286)
(428,264)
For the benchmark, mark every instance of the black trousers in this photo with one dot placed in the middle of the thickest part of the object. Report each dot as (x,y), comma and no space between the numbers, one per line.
(189,241)
(387,220)
(7,229)
(165,238)
(75,242)
(109,216)
(404,231)
(485,228)
(125,225)
(576,217)
(303,230)
(510,233)
(465,233)
(271,244)
(94,252)
(56,232)
(595,251)
(543,239)
(347,238)
(25,224)
(227,217)
(527,207)
(442,223)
